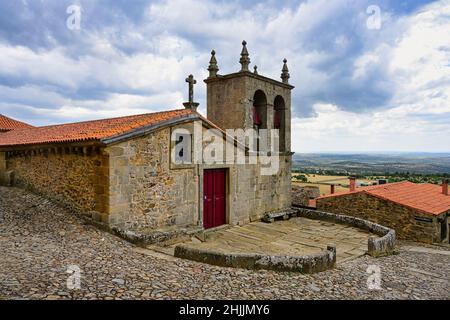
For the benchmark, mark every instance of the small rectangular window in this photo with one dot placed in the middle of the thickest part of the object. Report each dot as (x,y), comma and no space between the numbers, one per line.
(182,149)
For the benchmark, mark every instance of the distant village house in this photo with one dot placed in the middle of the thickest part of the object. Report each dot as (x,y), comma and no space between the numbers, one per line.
(418,212)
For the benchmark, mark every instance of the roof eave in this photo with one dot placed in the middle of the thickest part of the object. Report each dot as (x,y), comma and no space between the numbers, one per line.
(434,214)
(48,144)
(141,131)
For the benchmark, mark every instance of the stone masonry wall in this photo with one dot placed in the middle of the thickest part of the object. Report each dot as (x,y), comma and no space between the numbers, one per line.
(386,213)
(73,179)
(253,194)
(144,192)
(377,246)
(230,101)
(2,168)
(224,103)
(302,195)
(147,192)
(229,105)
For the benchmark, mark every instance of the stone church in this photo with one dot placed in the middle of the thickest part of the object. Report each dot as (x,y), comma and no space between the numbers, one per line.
(121,172)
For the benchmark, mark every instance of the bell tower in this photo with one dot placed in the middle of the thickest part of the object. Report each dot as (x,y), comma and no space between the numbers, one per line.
(246,99)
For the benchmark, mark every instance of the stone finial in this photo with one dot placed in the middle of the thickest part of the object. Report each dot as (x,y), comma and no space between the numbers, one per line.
(191,104)
(255,69)
(285,72)
(245,60)
(213,68)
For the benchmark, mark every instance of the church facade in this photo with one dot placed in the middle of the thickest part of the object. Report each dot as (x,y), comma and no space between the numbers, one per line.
(154,171)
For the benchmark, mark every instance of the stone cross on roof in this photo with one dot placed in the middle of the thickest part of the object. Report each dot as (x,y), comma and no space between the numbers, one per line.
(191,104)
(191,82)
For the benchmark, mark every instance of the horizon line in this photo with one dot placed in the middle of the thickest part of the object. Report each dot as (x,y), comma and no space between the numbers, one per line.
(367,152)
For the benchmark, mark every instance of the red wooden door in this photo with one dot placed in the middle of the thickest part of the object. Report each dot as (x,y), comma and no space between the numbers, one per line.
(214,200)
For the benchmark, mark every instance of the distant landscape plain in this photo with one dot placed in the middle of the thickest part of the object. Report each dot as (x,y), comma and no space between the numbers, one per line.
(377,163)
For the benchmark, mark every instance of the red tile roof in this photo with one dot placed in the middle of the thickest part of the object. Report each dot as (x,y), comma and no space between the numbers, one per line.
(88,130)
(7,124)
(425,197)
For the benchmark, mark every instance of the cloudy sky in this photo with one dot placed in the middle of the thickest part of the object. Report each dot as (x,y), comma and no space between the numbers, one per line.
(369,75)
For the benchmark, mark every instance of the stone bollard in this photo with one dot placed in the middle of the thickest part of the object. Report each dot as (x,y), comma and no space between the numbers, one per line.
(382,246)
(332,249)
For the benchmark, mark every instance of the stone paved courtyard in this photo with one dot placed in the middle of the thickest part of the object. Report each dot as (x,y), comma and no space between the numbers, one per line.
(39,240)
(295,237)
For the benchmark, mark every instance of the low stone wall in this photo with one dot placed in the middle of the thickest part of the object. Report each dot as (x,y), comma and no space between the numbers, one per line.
(408,223)
(376,246)
(302,195)
(74,176)
(318,262)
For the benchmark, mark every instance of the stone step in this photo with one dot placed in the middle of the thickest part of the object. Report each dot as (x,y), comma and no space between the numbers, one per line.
(284,214)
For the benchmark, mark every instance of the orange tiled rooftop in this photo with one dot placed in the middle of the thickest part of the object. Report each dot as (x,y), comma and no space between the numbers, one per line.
(7,124)
(425,197)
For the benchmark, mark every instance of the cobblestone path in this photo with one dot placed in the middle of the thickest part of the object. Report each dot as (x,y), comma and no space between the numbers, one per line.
(39,240)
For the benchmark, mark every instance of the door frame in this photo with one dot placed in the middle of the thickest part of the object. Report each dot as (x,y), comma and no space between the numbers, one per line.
(227,195)
(444,229)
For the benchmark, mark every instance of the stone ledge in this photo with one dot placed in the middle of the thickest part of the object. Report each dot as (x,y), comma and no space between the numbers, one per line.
(284,214)
(377,247)
(318,262)
(156,236)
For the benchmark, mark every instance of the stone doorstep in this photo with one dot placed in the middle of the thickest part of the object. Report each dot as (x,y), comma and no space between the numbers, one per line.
(167,250)
(167,240)
(210,233)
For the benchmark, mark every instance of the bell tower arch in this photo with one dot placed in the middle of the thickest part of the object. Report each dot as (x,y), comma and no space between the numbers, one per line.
(246,99)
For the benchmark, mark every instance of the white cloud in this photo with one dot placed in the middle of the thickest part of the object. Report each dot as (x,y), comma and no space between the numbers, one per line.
(128,84)
(52,66)
(141,71)
(417,117)
(420,61)
(54,108)
(333,129)
(334,61)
